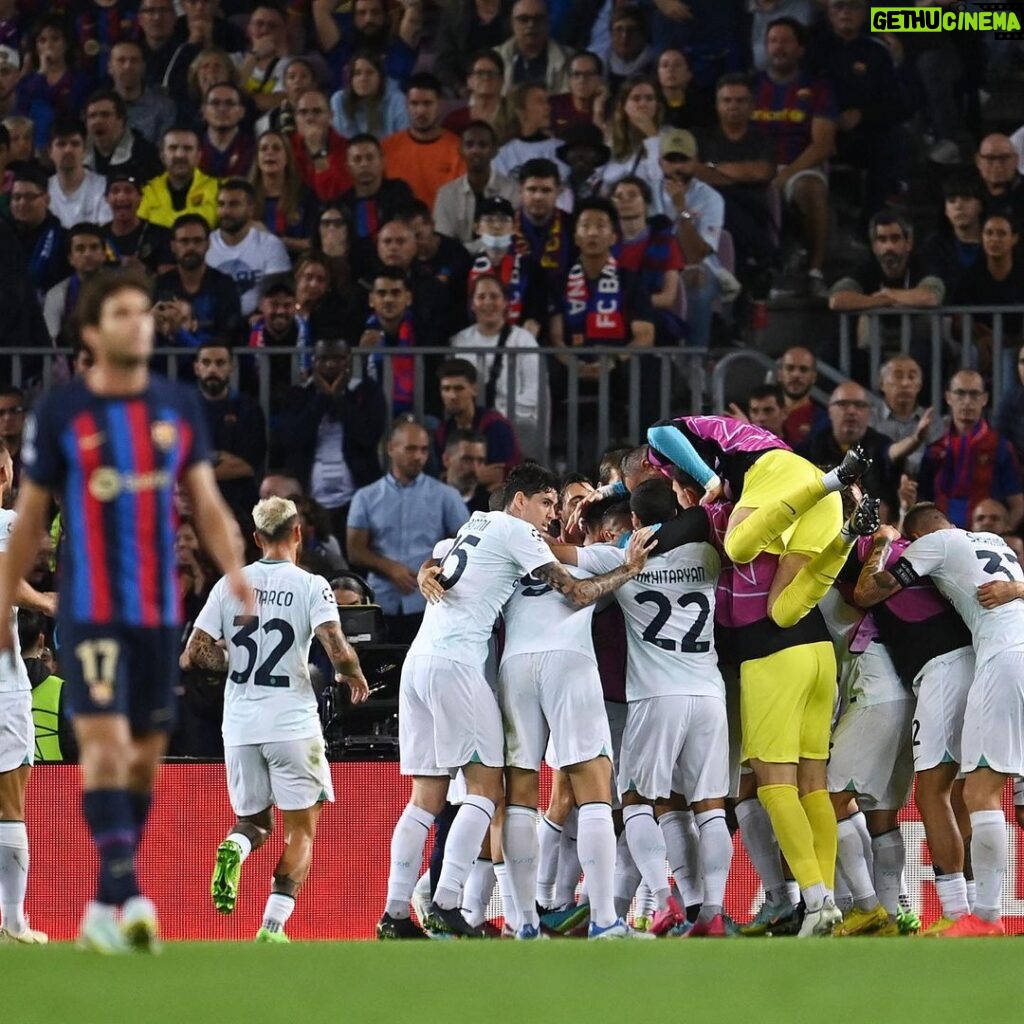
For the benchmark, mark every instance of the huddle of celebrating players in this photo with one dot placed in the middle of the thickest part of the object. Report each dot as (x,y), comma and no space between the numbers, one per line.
(726,557)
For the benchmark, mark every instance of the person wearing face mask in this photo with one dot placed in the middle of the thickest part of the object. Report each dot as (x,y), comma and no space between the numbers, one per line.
(236,425)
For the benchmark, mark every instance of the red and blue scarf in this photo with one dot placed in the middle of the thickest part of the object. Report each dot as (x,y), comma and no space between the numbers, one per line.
(593,313)
(403,368)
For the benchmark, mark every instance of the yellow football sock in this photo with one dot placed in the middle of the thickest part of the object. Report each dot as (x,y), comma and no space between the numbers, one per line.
(810,584)
(822,817)
(793,831)
(745,541)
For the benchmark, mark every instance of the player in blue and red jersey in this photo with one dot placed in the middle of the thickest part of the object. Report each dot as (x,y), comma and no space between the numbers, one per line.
(112,445)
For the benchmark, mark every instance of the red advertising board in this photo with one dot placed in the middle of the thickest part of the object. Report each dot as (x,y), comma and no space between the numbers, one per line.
(345,892)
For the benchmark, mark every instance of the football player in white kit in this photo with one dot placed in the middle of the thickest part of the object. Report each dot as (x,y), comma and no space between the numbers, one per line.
(977,572)
(676,740)
(17,749)
(273,745)
(448,716)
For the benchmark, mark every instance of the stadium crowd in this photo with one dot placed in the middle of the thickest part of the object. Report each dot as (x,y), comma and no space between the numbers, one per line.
(518,183)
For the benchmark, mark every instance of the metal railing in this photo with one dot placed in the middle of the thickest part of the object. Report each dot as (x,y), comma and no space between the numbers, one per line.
(587,417)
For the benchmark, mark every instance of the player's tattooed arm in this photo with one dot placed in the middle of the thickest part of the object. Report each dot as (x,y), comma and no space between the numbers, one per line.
(344,659)
(582,593)
(875,583)
(203,652)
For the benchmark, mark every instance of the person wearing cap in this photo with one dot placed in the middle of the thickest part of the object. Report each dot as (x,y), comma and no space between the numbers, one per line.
(587,99)
(111,145)
(242,249)
(10,74)
(532,139)
(697,211)
(132,241)
(458,204)
(583,151)
(797,111)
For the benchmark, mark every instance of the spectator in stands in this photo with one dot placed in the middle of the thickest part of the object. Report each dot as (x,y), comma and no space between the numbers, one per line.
(531,55)
(531,139)
(684,103)
(226,147)
(971,461)
(111,145)
(541,230)
(955,248)
(318,307)
(56,89)
(583,151)
(870,99)
(205,26)
(893,278)
(994,281)
(280,485)
(13,408)
(464,456)
(633,134)
(586,99)
(150,113)
(522,380)
(849,413)
(459,387)
(263,62)
(23,318)
(133,242)
(76,193)
(737,162)
(427,154)
(278,325)
(467,28)
(243,250)
(236,426)
(86,256)
(456,209)
(284,206)
(10,73)
(320,152)
(195,302)
(797,112)
(191,77)
(485,100)
(764,12)
(331,240)
(22,135)
(649,248)
(900,416)
(372,102)
(182,188)
(991,516)
(331,432)
(38,231)
(373,199)
(796,373)
(631,53)
(299,77)
(158,39)
(368,28)
(394,524)
(1009,418)
(442,259)
(766,408)
(996,161)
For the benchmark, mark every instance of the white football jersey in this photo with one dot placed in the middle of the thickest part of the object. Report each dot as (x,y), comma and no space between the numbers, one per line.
(539,619)
(669,610)
(268,695)
(490,554)
(958,563)
(13,677)
(260,254)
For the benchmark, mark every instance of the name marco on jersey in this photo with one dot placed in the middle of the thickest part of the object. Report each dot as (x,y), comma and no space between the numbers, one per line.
(274,598)
(689,574)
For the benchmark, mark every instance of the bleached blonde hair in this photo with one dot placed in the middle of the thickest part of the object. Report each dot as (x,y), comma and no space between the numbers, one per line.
(275,517)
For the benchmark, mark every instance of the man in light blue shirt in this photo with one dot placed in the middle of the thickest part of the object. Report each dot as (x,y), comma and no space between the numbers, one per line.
(393,525)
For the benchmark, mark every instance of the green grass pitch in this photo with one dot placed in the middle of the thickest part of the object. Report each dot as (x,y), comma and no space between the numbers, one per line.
(868,981)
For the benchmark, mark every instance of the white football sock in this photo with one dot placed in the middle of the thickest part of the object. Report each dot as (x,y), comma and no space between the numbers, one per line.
(519,841)
(595,843)
(988,859)
(853,864)
(759,841)
(627,877)
(647,845)
(462,848)
(568,875)
(952,893)
(509,910)
(972,893)
(244,843)
(793,893)
(279,908)
(715,859)
(549,836)
(13,875)
(889,856)
(841,893)
(682,847)
(407,842)
(477,892)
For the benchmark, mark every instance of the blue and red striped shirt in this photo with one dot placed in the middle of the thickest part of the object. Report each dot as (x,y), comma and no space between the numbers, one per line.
(114,463)
(785,112)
